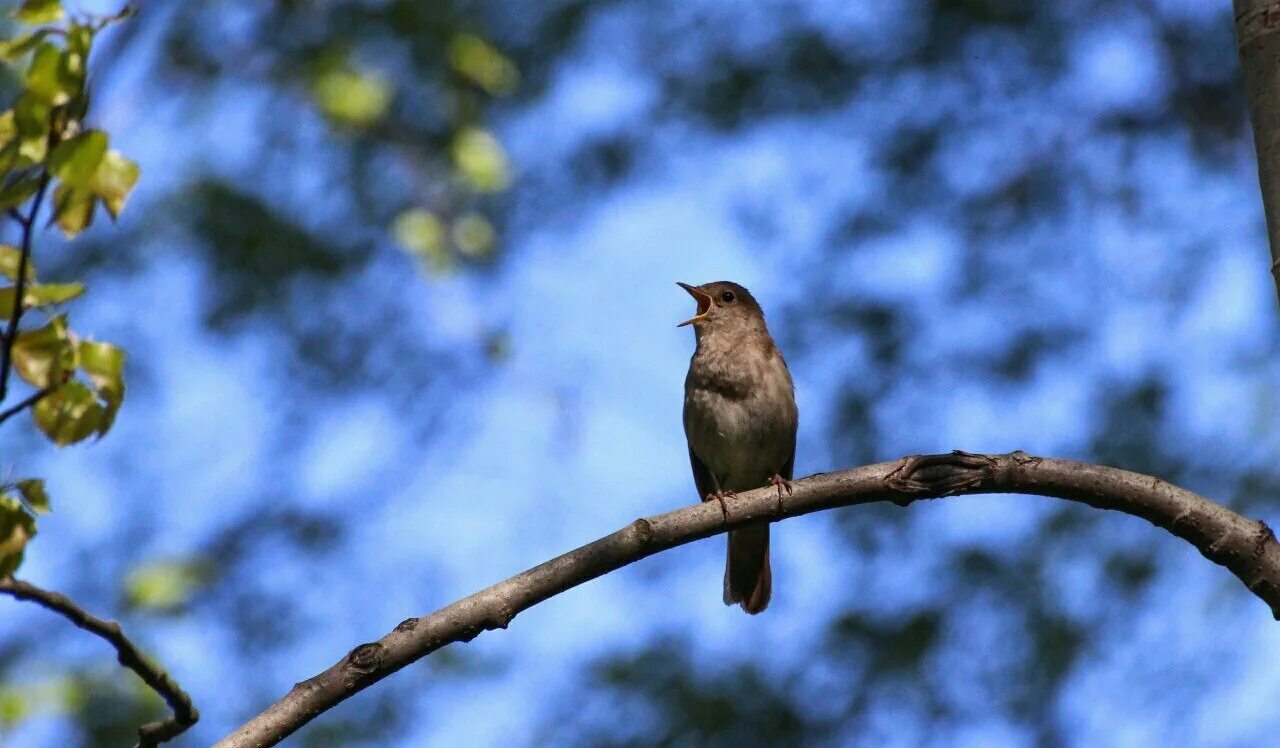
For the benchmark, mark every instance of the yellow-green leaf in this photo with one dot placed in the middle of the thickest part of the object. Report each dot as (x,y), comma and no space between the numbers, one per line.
(10,259)
(31,115)
(32,490)
(8,128)
(40,356)
(75,161)
(18,192)
(113,181)
(43,77)
(35,295)
(163,585)
(12,49)
(70,414)
(73,209)
(353,98)
(103,363)
(480,160)
(17,527)
(473,235)
(479,61)
(40,11)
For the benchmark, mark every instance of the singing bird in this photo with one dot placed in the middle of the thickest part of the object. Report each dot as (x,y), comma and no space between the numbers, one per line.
(740,420)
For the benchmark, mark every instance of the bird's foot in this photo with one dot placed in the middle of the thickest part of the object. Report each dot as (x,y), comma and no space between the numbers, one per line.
(781,483)
(720,496)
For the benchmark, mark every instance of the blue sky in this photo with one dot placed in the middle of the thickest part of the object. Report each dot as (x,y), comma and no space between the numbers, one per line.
(578,431)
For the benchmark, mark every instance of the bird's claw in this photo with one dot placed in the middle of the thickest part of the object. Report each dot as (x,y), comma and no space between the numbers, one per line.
(781,483)
(720,496)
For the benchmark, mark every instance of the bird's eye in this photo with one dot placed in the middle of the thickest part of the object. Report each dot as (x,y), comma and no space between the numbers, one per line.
(727,297)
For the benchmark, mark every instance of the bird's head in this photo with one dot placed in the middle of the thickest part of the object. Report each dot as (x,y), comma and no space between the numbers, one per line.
(723,306)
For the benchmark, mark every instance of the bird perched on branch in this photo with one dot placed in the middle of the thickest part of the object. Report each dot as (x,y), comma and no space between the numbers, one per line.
(740,421)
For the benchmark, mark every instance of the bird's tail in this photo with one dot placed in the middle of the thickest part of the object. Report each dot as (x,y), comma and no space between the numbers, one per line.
(747,578)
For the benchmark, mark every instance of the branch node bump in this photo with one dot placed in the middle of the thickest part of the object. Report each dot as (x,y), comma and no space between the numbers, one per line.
(1265,536)
(364,659)
(644,530)
(408,624)
(939,475)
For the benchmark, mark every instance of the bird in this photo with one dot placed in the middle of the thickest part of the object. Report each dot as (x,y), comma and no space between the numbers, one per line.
(740,420)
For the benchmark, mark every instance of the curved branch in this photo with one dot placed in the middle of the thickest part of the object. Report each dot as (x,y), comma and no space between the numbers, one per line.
(1246,547)
(152,733)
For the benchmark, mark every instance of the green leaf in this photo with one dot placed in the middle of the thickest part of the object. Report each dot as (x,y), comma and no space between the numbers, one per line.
(36,295)
(353,98)
(43,77)
(113,181)
(41,356)
(10,259)
(18,192)
(70,414)
(80,39)
(40,11)
(479,61)
(31,115)
(104,365)
(12,49)
(33,492)
(75,161)
(480,160)
(163,586)
(8,128)
(72,209)
(16,529)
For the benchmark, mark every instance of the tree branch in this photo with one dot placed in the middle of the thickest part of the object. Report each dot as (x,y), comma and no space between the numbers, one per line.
(1246,547)
(32,399)
(15,316)
(1257,22)
(152,733)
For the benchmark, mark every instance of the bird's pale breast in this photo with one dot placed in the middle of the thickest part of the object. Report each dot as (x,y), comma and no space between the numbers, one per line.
(740,414)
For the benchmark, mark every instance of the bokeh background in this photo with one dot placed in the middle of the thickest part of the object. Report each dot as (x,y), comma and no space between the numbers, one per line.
(397,288)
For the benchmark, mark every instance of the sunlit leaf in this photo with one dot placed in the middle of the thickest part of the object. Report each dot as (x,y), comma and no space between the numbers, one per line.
(162,585)
(37,295)
(75,161)
(473,235)
(14,707)
(40,11)
(73,209)
(43,77)
(80,39)
(42,355)
(419,232)
(103,363)
(18,192)
(12,49)
(8,127)
(480,160)
(33,492)
(113,181)
(31,115)
(17,527)
(353,98)
(484,65)
(10,260)
(70,414)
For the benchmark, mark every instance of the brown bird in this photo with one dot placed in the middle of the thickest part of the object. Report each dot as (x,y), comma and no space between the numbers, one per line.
(740,421)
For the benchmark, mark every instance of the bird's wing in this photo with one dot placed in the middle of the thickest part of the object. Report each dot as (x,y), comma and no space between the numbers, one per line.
(702,476)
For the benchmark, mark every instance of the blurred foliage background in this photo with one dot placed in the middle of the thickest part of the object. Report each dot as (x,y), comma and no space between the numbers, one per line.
(396,289)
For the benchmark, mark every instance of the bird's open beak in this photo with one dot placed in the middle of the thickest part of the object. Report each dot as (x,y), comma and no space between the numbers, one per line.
(704,303)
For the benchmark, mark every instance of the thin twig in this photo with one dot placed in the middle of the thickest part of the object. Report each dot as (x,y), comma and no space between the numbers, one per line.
(32,399)
(152,733)
(11,333)
(1245,547)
